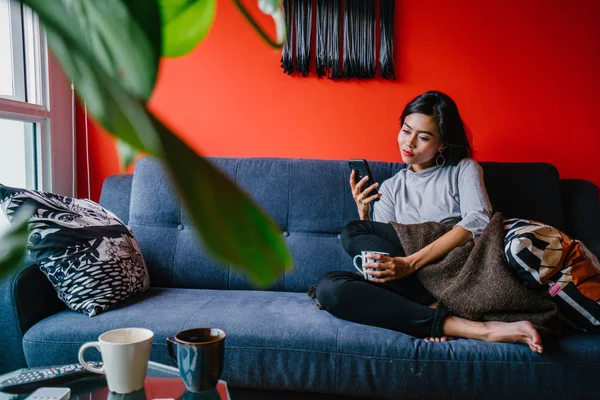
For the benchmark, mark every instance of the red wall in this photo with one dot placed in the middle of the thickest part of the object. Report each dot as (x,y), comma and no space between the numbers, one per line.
(523,73)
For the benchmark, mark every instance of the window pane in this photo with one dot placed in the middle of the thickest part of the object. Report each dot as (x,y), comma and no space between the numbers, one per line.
(6,58)
(17,154)
(35,66)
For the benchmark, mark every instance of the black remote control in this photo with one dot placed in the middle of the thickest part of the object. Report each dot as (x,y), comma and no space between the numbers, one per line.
(29,379)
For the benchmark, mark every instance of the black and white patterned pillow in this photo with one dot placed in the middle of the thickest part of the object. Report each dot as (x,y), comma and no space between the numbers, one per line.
(90,257)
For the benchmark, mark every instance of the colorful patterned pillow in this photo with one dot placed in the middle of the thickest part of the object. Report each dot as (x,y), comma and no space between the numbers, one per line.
(550,261)
(90,257)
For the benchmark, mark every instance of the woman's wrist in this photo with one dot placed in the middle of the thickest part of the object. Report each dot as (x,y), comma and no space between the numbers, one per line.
(414,261)
(364,214)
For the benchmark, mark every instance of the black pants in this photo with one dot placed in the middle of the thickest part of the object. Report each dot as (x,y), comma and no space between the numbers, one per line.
(400,305)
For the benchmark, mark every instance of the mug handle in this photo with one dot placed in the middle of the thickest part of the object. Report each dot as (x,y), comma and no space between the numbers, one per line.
(171,347)
(84,363)
(359,269)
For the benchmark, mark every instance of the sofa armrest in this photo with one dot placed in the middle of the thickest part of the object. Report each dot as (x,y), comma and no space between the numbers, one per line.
(26,297)
(35,298)
(582,212)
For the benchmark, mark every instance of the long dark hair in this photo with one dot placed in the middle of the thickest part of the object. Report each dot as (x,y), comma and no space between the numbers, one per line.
(445,112)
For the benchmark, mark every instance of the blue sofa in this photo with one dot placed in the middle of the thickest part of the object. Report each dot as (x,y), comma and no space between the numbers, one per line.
(278,340)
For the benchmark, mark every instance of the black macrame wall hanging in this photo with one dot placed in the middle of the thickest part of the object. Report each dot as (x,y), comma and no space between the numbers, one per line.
(386,48)
(287,62)
(351,39)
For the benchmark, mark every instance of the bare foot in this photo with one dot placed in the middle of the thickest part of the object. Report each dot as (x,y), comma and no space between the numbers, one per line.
(438,339)
(514,332)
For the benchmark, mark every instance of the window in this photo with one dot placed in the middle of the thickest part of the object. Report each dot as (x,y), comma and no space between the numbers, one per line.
(36,112)
(12,81)
(18,153)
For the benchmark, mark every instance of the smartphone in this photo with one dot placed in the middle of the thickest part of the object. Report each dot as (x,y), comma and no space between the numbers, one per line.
(362,169)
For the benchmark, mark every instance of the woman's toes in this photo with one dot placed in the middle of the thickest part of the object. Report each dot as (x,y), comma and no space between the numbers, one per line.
(437,339)
(440,339)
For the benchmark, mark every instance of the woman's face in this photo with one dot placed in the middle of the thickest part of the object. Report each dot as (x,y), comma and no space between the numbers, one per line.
(419,140)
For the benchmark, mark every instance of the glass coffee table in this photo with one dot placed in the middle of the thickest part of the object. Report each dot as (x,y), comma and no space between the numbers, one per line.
(162,383)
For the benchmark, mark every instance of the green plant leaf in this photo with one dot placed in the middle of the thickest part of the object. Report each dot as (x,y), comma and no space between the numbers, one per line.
(14,241)
(233,227)
(127,154)
(149,20)
(185,23)
(83,74)
(123,36)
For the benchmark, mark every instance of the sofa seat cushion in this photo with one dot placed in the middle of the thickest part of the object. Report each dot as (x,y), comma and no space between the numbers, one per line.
(279,340)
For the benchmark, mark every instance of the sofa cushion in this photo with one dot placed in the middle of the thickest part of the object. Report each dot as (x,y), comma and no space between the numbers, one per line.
(310,200)
(581,204)
(90,257)
(534,250)
(281,340)
(525,190)
(548,260)
(116,195)
(176,257)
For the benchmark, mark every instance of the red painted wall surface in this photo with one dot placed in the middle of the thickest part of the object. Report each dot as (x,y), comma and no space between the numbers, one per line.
(524,74)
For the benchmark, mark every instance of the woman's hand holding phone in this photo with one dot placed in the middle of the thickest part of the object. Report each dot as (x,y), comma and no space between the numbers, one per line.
(361,197)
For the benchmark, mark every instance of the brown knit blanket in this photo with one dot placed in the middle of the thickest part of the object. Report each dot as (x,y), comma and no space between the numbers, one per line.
(474,281)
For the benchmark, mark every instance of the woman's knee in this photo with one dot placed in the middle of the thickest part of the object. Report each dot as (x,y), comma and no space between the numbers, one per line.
(349,233)
(330,287)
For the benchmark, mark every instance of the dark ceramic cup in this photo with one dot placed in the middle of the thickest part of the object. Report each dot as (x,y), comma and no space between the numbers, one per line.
(199,355)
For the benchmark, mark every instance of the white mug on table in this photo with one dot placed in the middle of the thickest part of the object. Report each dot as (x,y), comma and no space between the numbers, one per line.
(125,355)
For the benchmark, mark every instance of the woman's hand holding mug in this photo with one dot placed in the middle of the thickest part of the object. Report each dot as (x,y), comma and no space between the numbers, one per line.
(386,268)
(361,197)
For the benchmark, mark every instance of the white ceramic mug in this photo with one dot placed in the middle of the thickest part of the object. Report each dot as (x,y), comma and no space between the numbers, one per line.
(125,355)
(363,256)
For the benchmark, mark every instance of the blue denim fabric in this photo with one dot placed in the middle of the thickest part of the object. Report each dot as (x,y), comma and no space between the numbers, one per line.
(278,340)
(11,350)
(116,195)
(174,256)
(580,202)
(525,190)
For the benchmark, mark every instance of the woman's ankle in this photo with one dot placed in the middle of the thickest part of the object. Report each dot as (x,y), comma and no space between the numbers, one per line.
(464,328)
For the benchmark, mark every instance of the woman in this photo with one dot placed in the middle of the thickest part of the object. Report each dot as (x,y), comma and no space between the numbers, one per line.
(440,183)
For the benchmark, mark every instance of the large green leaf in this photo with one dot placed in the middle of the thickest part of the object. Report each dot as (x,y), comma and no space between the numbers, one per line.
(148,17)
(233,227)
(127,154)
(13,241)
(123,36)
(185,23)
(84,75)
(128,47)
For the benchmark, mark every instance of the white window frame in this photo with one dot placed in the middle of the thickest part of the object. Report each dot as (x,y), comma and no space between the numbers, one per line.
(16,30)
(49,103)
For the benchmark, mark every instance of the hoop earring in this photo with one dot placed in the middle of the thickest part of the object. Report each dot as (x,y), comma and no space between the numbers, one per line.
(438,162)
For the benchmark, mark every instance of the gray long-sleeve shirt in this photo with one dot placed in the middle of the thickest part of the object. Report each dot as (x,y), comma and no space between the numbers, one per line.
(436,194)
